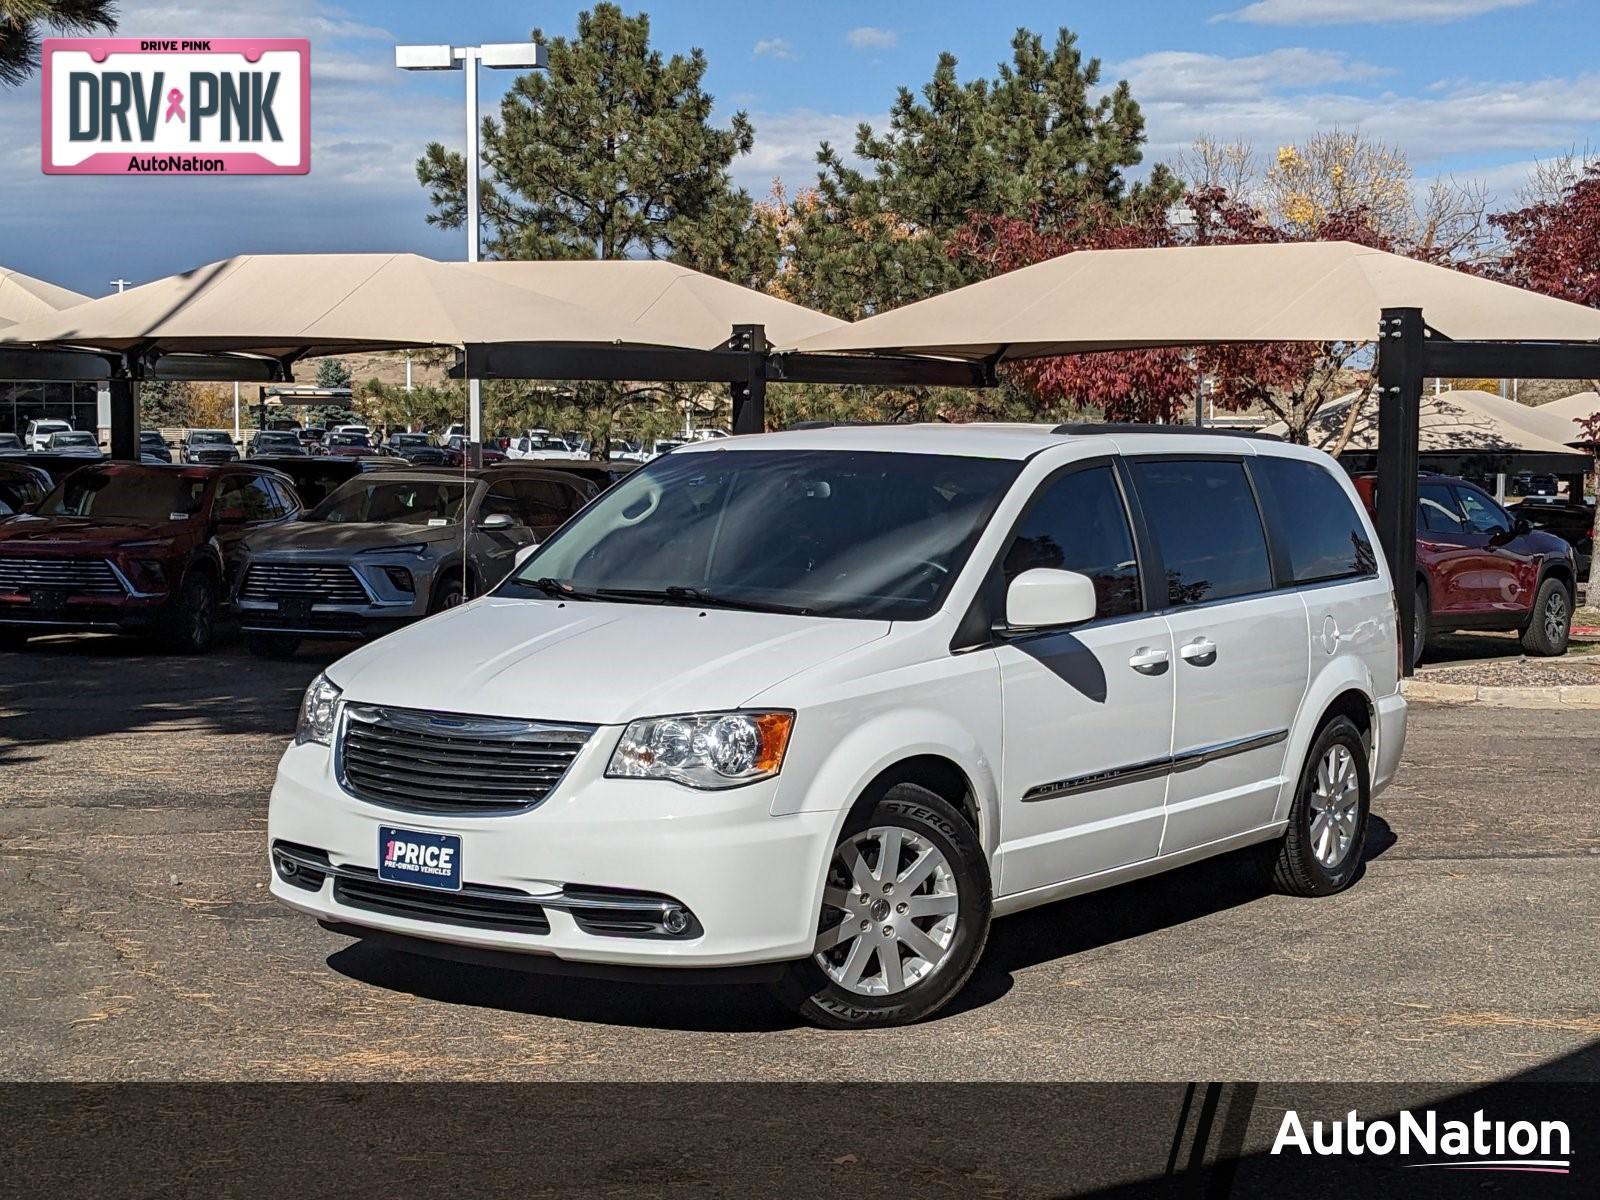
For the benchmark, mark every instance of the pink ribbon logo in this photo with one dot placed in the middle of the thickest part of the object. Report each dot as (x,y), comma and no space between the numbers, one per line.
(175,106)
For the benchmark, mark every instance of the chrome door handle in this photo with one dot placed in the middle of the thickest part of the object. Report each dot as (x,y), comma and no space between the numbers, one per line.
(1148,661)
(1202,652)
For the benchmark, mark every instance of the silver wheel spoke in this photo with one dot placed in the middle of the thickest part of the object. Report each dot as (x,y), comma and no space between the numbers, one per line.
(842,932)
(838,897)
(856,865)
(888,857)
(919,943)
(931,906)
(856,963)
(894,979)
(921,867)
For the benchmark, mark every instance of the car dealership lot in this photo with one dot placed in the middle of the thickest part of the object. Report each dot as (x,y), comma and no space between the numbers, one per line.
(139,941)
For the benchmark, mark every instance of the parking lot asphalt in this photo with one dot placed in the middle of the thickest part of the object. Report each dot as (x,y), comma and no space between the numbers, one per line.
(138,941)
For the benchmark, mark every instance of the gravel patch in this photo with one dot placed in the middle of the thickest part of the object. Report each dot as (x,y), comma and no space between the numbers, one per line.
(1519,672)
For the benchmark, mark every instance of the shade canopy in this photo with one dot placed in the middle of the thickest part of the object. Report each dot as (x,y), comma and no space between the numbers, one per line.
(1460,423)
(23,298)
(1570,410)
(1192,295)
(299,304)
(679,306)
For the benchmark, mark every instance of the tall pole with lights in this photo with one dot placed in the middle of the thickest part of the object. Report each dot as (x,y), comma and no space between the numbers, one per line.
(467,59)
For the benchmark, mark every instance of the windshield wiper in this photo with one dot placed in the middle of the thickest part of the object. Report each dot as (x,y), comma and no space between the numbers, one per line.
(552,587)
(676,594)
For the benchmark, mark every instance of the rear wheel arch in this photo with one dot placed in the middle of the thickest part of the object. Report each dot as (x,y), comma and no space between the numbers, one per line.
(1359,708)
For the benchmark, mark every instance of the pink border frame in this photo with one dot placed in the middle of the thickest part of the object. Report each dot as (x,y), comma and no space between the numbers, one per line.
(241,163)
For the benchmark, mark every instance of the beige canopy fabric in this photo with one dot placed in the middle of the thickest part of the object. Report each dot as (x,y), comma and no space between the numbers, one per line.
(1174,296)
(682,307)
(1464,422)
(22,298)
(1571,409)
(322,304)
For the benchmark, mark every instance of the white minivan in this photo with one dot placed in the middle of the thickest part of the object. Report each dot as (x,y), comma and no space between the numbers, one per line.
(817,705)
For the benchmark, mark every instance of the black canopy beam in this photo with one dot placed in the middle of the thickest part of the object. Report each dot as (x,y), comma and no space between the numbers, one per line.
(1512,360)
(68,366)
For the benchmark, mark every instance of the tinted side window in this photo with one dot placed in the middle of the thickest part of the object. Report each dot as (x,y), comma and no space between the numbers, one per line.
(1324,536)
(501,498)
(1204,519)
(548,500)
(1436,509)
(1078,523)
(1483,514)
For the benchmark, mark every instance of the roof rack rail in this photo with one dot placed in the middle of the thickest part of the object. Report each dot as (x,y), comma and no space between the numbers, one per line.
(834,424)
(1088,429)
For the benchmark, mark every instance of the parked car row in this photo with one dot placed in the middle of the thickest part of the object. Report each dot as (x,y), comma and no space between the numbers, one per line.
(174,550)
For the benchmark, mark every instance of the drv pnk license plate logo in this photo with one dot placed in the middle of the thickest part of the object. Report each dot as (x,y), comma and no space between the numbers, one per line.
(177,106)
(431,860)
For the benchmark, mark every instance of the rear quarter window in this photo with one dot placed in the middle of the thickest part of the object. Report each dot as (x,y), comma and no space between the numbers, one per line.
(1322,532)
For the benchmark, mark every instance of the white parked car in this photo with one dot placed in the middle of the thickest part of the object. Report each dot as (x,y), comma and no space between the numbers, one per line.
(542,444)
(818,705)
(39,433)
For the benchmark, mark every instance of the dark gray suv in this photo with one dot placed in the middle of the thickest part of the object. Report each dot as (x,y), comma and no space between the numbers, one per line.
(389,547)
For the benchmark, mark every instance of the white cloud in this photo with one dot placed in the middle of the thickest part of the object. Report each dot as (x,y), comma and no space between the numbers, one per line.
(868,37)
(1178,74)
(1361,12)
(786,146)
(776,47)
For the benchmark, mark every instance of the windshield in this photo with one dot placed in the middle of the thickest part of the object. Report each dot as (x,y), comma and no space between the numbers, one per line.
(347,439)
(408,439)
(209,437)
(835,533)
(10,441)
(407,501)
(73,439)
(126,493)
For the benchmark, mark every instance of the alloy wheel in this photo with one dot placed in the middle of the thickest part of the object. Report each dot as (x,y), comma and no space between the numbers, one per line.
(888,912)
(1335,807)
(1555,617)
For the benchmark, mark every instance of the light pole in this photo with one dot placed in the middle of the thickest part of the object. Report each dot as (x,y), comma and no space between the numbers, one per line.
(467,59)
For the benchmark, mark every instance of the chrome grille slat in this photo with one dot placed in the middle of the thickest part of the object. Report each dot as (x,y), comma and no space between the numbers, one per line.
(330,583)
(82,575)
(448,762)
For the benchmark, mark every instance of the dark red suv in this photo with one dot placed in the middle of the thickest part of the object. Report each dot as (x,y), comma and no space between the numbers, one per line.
(129,546)
(1479,567)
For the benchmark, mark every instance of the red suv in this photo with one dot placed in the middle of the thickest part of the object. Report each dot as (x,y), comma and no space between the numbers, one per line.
(128,546)
(1479,567)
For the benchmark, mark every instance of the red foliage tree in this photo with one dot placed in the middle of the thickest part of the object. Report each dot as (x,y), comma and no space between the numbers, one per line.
(1554,246)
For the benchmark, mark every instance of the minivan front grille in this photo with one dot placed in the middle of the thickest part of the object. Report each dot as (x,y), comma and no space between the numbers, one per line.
(453,763)
(79,576)
(328,584)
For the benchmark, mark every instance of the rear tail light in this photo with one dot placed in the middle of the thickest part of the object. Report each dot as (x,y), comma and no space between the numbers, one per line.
(1399,636)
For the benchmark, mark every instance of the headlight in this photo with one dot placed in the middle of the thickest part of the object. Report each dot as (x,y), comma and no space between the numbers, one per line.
(317,712)
(704,750)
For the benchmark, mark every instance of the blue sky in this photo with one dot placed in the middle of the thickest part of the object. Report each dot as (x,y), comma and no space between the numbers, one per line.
(1474,88)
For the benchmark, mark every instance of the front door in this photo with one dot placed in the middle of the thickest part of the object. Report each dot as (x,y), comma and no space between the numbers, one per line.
(1502,580)
(1088,709)
(1241,650)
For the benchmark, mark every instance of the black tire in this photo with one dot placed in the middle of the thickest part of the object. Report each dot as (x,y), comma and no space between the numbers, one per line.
(809,991)
(271,645)
(447,593)
(1421,616)
(1551,624)
(1298,870)
(190,622)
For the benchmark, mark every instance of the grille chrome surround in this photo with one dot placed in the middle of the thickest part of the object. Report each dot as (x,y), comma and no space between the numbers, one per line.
(431,762)
(77,576)
(331,583)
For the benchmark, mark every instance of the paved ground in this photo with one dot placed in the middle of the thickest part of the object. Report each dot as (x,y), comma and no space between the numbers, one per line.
(137,940)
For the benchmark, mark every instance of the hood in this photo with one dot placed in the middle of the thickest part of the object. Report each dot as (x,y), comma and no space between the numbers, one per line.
(27,533)
(348,537)
(597,663)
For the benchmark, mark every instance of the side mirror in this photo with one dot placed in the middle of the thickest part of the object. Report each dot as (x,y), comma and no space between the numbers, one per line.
(1521,526)
(1043,597)
(522,554)
(498,521)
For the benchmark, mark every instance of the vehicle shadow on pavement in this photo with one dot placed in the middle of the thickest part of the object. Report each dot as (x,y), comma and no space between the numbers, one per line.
(1040,935)
(697,1008)
(69,688)
(1131,910)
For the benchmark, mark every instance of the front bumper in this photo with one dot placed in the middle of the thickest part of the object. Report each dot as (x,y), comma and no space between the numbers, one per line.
(382,609)
(751,881)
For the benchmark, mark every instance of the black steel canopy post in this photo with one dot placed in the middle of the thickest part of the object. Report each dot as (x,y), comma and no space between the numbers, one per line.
(750,395)
(124,415)
(1400,368)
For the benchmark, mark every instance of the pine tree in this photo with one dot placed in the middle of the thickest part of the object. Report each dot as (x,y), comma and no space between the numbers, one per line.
(21,20)
(609,153)
(1040,141)
(332,373)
